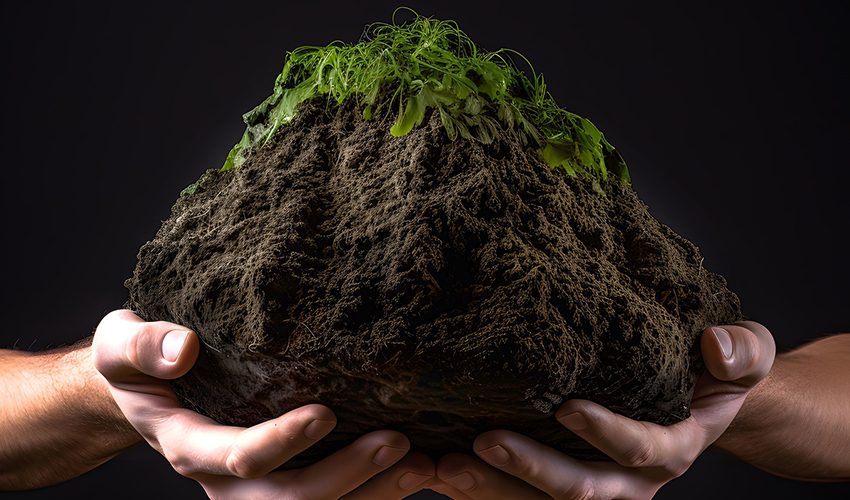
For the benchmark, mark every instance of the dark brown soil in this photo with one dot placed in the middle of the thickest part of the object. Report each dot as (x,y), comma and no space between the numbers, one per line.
(439,288)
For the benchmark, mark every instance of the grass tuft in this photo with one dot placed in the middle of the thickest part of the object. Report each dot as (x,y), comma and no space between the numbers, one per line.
(433,64)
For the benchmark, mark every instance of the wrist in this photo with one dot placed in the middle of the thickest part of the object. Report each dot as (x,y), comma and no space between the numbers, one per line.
(790,423)
(752,419)
(62,420)
(89,402)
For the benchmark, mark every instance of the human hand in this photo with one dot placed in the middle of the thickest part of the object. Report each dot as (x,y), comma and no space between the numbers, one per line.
(646,455)
(137,358)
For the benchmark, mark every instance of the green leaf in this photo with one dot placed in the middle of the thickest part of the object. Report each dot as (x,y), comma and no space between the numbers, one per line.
(411,117)
(190,189)
(569,168)
(553,155)
(448,124)
(592,131)
(586,157)
(428,63)
(229,162)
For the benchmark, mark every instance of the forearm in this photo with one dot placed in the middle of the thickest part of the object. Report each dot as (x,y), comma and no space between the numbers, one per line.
(57,420)
(796,422)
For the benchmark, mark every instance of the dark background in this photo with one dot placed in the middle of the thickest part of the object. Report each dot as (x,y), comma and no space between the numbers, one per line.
(731,116)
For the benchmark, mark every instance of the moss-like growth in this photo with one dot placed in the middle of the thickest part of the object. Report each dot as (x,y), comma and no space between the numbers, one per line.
(431,64)
(389,240)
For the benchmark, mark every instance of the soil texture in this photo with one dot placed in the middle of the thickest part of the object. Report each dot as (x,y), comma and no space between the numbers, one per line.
(434,287)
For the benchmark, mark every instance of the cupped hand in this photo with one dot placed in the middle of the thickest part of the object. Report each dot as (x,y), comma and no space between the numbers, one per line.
(137,358)
(646,455)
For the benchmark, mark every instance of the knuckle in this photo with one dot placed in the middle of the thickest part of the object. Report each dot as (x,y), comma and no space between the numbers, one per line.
(183,466)
(531,469)
(243,465)
(136,345)
(639,455)
(526,467)
(118,315)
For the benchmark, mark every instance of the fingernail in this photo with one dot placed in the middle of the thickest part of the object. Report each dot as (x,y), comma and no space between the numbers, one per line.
(388,455)
(574,421)
(462,481)
(172,344)
(318,429)
(724,339)
(496,455)
(411,480)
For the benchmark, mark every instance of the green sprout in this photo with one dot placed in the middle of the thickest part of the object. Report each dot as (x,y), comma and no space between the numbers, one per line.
(431,64)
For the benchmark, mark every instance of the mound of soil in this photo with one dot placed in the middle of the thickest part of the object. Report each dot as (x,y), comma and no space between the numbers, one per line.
(435,287)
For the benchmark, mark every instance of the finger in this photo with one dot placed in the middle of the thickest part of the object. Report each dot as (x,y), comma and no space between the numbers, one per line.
(331,478)
(266,446)
(634,443)
(477,480)
(353,465)
(406,477)
(737,357)
(127,349)
(742,353)
(554,473)
(195,444)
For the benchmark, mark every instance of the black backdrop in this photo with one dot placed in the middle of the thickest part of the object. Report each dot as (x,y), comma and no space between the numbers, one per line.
(732,118)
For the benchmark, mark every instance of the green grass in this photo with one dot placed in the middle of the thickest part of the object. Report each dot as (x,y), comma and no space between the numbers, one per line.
(428,63)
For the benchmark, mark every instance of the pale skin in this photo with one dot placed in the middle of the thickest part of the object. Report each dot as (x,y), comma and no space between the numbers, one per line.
(233,463)
(135,359)
(646,455)
(794,423)
(57,419)
(809,438)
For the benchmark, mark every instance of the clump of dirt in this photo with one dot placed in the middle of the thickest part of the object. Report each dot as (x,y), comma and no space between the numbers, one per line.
(435,287)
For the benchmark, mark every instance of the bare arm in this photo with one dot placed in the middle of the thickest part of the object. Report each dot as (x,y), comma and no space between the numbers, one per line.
(138,358)
(796,422)
(646,455)
(60,417)
(57,418)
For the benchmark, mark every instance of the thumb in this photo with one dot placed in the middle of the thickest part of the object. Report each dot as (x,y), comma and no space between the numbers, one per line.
(127,349)
(741,353)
